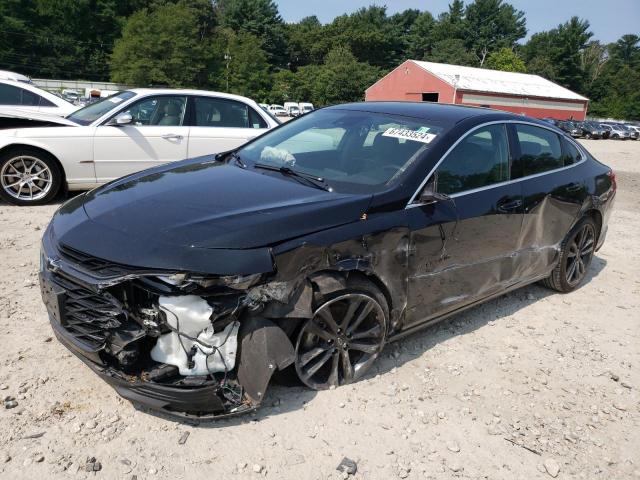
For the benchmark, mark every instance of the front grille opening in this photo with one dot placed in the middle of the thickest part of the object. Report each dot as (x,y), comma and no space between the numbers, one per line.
(87,315)
(93,264)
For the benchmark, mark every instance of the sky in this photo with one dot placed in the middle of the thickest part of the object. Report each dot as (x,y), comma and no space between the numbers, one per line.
(608,23)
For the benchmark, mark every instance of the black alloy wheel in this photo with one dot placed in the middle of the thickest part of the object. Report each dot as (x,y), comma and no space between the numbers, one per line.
(580,253)
(576,254)
(342,340)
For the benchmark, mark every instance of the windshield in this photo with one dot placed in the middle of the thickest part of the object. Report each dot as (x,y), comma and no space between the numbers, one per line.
(271,115)
(354,152)
(94,111)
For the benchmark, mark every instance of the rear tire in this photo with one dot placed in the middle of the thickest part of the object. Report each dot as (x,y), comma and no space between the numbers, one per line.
(29,177)
(576,253)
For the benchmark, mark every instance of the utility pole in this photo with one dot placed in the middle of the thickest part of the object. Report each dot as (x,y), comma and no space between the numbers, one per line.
(227,57)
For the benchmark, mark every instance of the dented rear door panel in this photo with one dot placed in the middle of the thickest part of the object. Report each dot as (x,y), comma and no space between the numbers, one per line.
(552,205)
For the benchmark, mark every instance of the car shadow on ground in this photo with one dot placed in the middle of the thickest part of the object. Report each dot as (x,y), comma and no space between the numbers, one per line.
(282,399)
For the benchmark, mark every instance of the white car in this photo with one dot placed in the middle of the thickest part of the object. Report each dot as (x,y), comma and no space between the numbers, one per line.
(278,110)
(16,77)
(305,107)
(24,97)
(122,134)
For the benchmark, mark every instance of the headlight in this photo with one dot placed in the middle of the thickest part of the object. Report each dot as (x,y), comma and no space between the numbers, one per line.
(237,282)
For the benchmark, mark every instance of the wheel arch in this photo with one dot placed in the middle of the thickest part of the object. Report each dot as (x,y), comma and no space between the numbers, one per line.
(328,281)
(596,215)
(18,146)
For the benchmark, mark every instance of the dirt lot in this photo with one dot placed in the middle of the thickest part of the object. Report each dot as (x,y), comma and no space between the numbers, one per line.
(517,388)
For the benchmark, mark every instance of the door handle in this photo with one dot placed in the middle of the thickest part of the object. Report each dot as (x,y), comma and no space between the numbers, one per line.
(509,205)
(172,136)
(574,187)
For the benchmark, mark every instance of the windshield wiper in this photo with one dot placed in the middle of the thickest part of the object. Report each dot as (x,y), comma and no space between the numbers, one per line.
(313,180)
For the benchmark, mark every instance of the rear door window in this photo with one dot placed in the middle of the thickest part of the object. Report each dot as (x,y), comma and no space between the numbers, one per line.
(540,149)
(219,112)
(479,160)
(30,98)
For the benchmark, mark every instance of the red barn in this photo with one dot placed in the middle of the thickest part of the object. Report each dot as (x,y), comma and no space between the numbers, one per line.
(520,93)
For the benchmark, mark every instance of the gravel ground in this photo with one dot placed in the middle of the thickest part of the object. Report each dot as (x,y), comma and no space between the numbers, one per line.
(529,386)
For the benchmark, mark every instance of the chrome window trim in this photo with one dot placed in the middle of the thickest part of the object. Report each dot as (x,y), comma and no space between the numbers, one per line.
(583,154)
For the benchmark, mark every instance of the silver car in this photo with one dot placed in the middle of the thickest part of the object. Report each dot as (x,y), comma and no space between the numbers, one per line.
(634,131)
(616,131)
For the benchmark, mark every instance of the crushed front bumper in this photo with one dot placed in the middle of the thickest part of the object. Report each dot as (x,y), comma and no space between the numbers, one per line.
(263,348)
(200,402)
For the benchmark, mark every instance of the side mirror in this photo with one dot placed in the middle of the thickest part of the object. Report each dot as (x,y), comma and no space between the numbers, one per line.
(121,119)
(427,197)
(428,194)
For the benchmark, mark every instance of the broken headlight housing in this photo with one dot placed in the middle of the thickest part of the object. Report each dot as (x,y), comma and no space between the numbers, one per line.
(236,282)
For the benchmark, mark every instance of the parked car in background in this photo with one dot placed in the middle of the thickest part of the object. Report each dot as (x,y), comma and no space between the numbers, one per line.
(305,107)
(293,111)
(186,287)
(633,133)
(26,97)
(616,132)
(14,77)
(278,110)
(570,128)
(120,135)
(590,130)
(71,96)
(635,128)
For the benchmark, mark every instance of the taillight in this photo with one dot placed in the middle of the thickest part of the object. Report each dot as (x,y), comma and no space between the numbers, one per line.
(612,176)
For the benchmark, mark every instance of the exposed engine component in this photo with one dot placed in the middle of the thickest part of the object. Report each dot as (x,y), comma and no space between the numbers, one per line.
(192,345)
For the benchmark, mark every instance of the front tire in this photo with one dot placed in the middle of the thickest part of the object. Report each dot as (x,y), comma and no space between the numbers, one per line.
(343,339)
(575,257)
(28,177)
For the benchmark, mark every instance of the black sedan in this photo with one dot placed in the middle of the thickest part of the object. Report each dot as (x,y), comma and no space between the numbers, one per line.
(590,130)
(187,286)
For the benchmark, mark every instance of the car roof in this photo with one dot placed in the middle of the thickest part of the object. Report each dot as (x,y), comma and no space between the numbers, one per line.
(230,96)
(432,111)
(60,102)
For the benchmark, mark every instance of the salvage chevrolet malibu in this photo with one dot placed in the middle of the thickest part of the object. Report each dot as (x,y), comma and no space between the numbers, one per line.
(187,286)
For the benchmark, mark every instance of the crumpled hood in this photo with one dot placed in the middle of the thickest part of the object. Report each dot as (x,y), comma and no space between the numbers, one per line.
(17,113)
(206,204)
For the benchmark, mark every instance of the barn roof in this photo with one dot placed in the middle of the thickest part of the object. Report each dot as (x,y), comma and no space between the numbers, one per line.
(495,81)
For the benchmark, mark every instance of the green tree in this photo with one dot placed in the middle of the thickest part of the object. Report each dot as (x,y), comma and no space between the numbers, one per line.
(340,79)
(562,48)
(305,42)
(614,93)
(450,24)
(626,50)
(61,38)
(451,51)
(506,60)
(419,38)
(259,18)
(368,33)
(169,45)
(248,69)
(491,25)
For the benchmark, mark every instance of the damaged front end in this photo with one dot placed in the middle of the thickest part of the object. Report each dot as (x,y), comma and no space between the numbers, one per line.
(190,345)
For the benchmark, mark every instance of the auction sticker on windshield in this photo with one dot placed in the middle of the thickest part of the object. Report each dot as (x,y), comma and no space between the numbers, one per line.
(416,136)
